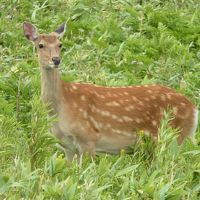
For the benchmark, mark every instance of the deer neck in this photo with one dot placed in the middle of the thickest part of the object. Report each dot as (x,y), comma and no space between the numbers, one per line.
(51,88)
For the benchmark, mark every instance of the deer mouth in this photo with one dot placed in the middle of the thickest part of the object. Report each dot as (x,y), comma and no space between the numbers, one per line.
(56,66)
(51,66)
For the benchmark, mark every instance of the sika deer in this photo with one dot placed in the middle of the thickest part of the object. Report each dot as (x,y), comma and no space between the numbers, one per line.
(93,118)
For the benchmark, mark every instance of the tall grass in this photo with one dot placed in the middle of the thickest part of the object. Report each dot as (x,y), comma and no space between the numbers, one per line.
(108,43)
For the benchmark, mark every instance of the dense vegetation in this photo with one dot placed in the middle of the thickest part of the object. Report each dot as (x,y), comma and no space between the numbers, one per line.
(108,42)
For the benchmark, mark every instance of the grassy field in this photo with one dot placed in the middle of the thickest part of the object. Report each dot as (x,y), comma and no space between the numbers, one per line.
(107,42)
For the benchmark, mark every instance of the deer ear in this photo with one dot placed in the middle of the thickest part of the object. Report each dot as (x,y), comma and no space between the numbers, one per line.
(30,31)
(61,30)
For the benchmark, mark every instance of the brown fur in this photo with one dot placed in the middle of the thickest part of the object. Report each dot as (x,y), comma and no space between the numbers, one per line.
(92,118)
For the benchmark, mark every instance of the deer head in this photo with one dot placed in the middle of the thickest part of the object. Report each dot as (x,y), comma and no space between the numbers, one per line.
(48,45)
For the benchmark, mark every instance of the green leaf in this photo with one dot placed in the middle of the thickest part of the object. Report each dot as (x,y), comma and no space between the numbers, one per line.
(127,170)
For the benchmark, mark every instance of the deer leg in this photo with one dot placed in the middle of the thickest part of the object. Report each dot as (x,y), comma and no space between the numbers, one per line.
(87,147)
(67,146)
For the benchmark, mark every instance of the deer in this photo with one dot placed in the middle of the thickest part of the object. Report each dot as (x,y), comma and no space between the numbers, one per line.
(93,118)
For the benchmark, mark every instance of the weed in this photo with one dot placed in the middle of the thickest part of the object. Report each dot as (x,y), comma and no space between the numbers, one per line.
(108,43)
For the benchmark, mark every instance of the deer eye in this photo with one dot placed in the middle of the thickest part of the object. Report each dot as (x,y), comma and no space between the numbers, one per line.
(41,46)
(60,45)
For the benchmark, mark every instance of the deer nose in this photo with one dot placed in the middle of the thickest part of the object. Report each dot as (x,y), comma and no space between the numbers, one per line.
(56,60)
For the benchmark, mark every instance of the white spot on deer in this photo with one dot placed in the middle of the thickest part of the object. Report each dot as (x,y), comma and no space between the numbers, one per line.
(119,119)
(94,122)
(100,125)
(87,123)
(71,89)
(169,96)
(112,103)
(148,113)
(149,91)
(185,115)
(154,123)
(108,125)
(99,95)
(162,97)
(146,99)
(155,137)
(94,109)
(126,93)
(102,96)
(116,130)
(122,101)
(80,109)
(139,108)
(134,98)
(114,116)
(105,113)
(175,110)
(115,95)
(183,104)
(121,132)
(130,108)
(146,85)
(74,104)
(66,88)
(161,111)
(153,97)
(83,98)
(85,115)
(74,87)
(82,128)
(141,103)
(147,117)
(109,94)
(127,119)
(138,120)
(126,133)
(138,86)
(127,109)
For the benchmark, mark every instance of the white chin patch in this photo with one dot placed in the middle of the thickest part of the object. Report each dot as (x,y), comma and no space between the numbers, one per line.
(50,66)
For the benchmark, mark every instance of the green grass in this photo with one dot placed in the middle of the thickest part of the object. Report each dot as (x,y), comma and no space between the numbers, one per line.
(107,42)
